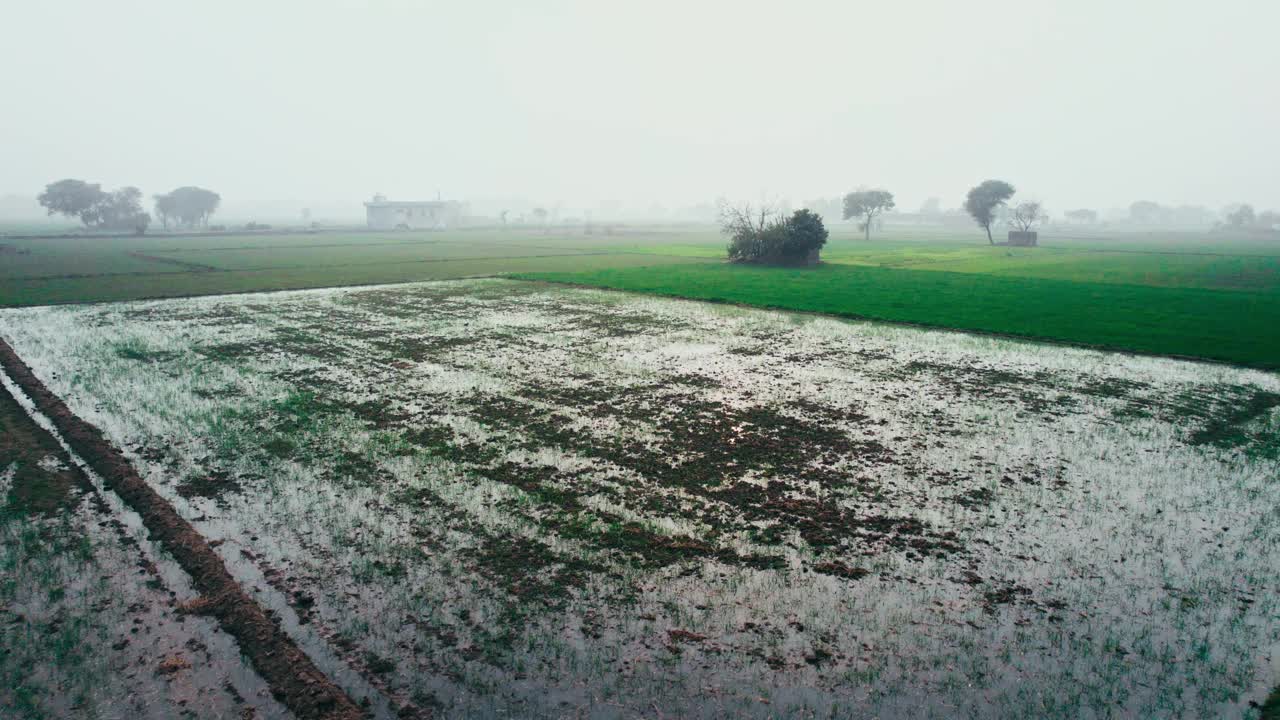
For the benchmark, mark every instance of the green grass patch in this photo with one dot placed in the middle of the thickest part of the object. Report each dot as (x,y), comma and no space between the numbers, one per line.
(1237,327)
(47,270)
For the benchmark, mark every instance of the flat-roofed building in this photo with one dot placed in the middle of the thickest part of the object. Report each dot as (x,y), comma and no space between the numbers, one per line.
(384,214)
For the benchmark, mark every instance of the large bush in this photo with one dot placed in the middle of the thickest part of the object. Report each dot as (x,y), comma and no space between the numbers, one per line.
(774,240)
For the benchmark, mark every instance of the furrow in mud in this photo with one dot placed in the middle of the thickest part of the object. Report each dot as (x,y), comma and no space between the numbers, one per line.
(292,676)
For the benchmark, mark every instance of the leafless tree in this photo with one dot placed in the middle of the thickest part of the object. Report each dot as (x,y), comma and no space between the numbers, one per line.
(745,219)
(1027,214)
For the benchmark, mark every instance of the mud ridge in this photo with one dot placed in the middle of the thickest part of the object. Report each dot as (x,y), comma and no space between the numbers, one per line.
(293,678)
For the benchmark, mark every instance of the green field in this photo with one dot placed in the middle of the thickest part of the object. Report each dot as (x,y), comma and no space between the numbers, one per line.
(1222,325)
(1196,294)
(39,271)
(1194,260)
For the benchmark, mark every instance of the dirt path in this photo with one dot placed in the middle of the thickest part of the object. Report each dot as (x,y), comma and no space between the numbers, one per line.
(292,676)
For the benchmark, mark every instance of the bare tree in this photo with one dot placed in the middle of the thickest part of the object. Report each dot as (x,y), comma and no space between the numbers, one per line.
(767,234)
(1027,214)
(745,219)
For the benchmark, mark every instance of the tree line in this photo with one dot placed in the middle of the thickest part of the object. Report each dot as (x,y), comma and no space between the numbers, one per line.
(121,210)
(764,235)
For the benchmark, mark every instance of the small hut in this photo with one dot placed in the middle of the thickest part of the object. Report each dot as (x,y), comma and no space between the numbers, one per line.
(1022,238)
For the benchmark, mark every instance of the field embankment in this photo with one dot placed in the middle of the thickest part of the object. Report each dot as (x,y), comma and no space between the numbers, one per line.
(1237,327)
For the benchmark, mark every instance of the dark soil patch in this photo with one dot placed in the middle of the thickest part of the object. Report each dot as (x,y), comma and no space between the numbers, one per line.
(1224,425)
(537,481)
(602,323)
(1003,594)
(211,485)
(23,445)
(528,570)
(1218,415)
(839,569)
(685,636)
(1041,393)
(976,498)
(421,348)
(377,664)
(440,441)
(706,444)
(36,490)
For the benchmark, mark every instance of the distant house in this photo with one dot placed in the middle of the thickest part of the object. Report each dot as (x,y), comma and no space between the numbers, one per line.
(384,214)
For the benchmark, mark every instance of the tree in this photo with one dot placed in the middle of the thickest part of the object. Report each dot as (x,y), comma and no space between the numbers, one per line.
(117,210)
(765,235)
(121,210)
(166,209)
(932,206)
(805,233)
(1027,214)
(745,227)
(1268,219)
(866,204)
(190,206)
(983,200)
(73,198)
(1242,216)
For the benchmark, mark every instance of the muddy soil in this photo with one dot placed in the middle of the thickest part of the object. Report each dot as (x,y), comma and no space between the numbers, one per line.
(494,498)
(293,679)
(90,625)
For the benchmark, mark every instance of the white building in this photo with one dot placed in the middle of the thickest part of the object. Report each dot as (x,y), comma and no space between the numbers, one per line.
(384,214)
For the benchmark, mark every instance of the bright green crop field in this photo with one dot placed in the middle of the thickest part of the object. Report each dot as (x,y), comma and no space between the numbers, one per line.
(1229,325)
(1197,294)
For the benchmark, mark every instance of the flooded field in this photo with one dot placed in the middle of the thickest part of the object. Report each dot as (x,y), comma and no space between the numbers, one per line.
(93,620)
(502,498)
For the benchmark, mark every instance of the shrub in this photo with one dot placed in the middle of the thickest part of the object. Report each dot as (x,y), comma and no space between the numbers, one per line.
(774,240)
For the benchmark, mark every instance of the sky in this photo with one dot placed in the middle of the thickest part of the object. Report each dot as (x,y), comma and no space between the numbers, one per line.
(285,104)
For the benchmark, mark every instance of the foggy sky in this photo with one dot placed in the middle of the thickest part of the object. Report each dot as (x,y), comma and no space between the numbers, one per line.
(290,104)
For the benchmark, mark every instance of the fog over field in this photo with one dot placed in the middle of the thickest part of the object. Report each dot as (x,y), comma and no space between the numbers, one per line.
(403,359)
(599,106)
